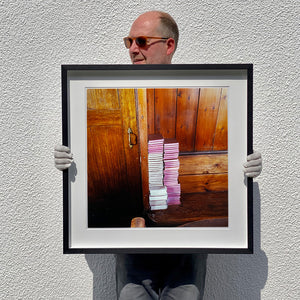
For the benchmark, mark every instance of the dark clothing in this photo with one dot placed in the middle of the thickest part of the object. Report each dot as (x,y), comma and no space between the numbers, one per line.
(155,272)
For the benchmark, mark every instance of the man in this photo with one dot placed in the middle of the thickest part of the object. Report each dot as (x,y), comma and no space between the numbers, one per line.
(161,47)
(153,39)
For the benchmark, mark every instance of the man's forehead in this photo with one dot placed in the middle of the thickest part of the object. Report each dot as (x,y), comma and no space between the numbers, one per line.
(145,25)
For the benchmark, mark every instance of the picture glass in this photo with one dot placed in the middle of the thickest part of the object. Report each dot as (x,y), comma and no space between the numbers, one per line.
(184,179)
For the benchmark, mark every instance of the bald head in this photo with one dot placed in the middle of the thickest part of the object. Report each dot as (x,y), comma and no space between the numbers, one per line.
(166,25)
(157,51)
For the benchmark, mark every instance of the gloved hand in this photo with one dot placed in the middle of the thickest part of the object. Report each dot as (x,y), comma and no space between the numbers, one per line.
(63,157)
(253,166)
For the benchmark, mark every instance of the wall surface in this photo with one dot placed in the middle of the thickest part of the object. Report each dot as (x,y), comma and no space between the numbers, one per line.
(37,36)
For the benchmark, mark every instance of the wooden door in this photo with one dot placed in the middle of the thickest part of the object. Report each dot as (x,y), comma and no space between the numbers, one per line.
(114,177)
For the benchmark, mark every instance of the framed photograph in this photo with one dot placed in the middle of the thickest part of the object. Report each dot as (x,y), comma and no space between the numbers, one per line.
(158,153)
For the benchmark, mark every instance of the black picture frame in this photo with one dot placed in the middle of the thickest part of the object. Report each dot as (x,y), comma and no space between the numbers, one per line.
(238,78)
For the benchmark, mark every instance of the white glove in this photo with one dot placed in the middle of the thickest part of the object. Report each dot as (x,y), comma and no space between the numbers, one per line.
(63,157)
(253,166)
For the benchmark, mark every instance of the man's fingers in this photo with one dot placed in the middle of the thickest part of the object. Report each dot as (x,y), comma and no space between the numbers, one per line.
(252,174)
(63,157)
(255,155)
(58,154)
(61,151)
(62,167)
(252,169)
(256,162)
(62,161)
(62,148)
(253,166)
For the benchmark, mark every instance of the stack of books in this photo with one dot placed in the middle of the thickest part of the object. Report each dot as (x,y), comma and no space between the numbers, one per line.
(158,197)
(171,167)
(158,192)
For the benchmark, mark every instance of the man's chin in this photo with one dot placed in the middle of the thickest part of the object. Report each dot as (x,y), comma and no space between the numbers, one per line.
(139,62)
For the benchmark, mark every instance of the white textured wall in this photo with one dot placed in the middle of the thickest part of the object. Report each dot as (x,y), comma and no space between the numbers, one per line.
(36,37)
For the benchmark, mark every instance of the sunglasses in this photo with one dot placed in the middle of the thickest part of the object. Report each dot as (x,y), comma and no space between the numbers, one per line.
(141,41)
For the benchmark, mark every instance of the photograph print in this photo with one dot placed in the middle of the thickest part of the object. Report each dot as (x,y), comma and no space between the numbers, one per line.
(157,153)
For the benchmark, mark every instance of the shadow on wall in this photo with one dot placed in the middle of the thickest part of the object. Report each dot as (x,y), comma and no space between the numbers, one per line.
(239,276)
(104,281)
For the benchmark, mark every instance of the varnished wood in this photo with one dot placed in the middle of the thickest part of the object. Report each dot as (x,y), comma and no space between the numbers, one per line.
(104,117)
(138,222)
(173,113)
(207,118)
(102,99)
(221,134)
(143,140)
(150,110)
(194,207)
(203,183)
(129,120)
(106,164)
(114,184)
(197,118)
(203,164)
(187,104)
(165,112)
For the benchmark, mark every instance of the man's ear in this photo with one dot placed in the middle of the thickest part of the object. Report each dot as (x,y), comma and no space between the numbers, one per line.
(170,46)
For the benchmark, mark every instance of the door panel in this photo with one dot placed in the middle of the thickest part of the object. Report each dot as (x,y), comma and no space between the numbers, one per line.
(114,184)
